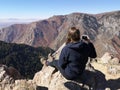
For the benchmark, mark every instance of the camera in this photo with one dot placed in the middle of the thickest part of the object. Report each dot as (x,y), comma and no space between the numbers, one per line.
(85,37)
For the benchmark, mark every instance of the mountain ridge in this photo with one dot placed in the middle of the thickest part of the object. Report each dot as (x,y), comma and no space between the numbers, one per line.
(101,28)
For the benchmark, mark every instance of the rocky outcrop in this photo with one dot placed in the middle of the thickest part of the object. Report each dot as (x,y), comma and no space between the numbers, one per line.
(20,85)
(55,81)
(109,58)
(112,63)
(8,74)
(10,79)
(95,77)
(48,79)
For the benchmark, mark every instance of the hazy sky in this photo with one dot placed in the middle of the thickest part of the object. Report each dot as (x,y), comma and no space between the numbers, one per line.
(46,8)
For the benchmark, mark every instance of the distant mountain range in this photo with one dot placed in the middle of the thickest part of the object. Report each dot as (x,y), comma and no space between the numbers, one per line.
(103,29)
(7,22)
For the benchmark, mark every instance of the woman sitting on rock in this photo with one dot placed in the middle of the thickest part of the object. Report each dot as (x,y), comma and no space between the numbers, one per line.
(74,55)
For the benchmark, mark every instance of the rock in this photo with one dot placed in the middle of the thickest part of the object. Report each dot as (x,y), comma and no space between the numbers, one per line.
(113,69)
(106,58)
(43,78)
(47,77)
(107,89)
(24,85)
(5,77)
(20,85)
(8,75)
(109,58)
(114,61)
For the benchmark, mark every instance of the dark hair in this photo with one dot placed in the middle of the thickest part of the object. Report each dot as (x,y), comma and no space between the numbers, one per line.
(73,34)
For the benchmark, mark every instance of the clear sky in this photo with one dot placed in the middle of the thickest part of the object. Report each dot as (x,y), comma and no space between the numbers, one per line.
(42,9)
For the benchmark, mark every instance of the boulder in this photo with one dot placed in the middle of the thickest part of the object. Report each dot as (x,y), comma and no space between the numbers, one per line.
(106,58)
(52,79)
(8,74)
(112,63)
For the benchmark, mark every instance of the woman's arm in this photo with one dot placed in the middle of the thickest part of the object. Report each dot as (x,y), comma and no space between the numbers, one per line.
(92,53)
(63,59)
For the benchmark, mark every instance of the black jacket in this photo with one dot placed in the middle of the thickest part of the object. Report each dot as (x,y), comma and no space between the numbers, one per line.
(74,57)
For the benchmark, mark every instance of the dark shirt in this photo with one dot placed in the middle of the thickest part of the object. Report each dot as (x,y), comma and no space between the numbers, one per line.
(74,57)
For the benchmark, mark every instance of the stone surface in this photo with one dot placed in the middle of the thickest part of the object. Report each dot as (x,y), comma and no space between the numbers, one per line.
(106,58)
(8,74)
(112,63)
(47,77)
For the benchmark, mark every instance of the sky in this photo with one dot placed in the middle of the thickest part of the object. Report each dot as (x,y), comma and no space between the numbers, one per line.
(43,9)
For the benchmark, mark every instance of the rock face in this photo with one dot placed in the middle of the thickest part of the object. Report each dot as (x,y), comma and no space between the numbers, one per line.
(10,79)
(103,29)
(20,85)
(8,74)
(55,81)
(112,63)
(106,58)
(96,77)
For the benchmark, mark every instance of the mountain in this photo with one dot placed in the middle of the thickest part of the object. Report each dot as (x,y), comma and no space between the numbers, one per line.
(8,22)
(3,25)
(39,33)
(103,29)
(24,58)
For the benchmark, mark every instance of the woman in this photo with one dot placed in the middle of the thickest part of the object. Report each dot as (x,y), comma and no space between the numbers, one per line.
(74,55)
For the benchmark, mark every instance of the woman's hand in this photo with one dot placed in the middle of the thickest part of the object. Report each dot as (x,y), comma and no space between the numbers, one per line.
(50,57)
(86,39)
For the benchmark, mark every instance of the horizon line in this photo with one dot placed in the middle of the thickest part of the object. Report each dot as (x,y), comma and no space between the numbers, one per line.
(38,18)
